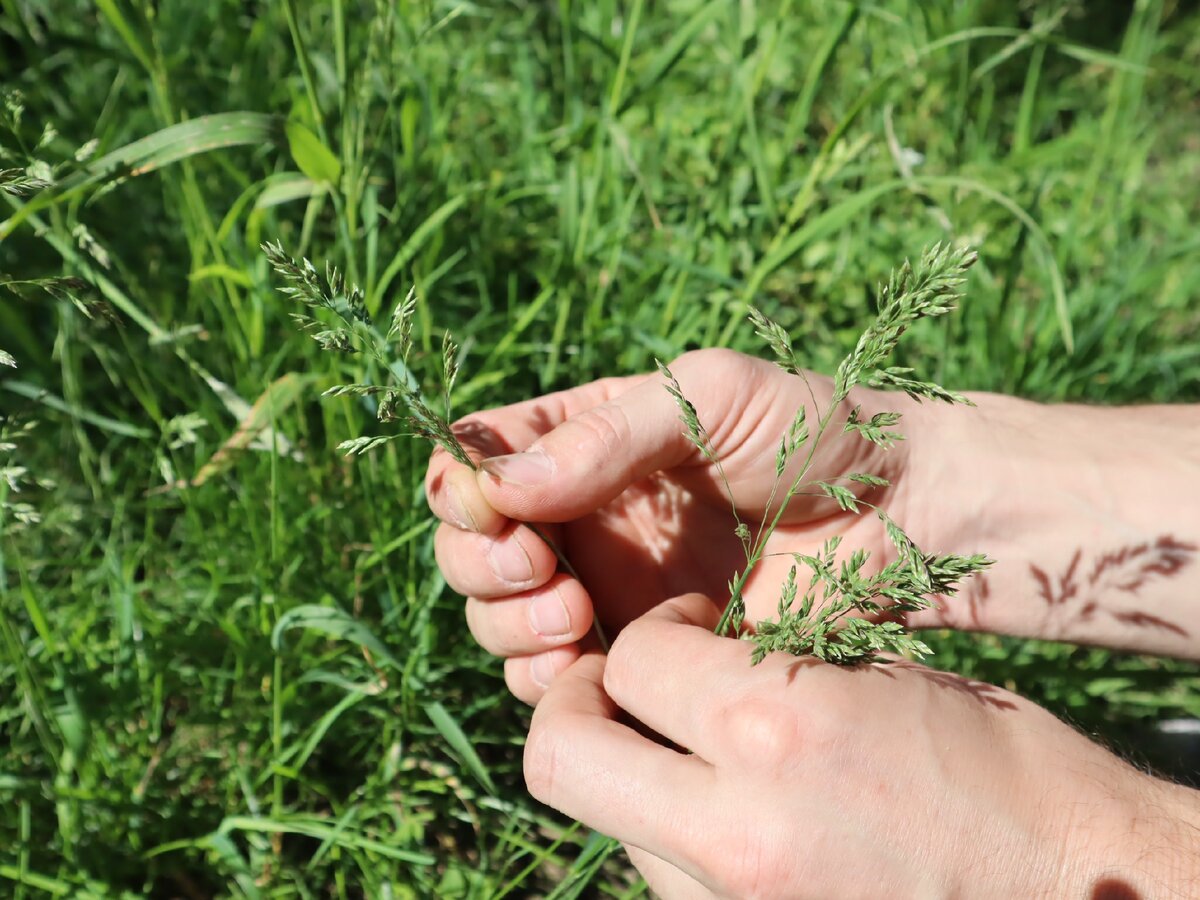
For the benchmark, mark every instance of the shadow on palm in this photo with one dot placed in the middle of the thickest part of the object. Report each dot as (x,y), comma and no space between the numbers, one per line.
(659,540)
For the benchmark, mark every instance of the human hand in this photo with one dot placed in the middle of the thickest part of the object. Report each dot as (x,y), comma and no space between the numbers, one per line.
(812,780)
(641,514)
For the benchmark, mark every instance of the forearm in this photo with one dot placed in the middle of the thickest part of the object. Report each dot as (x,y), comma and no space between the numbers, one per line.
(1093,516)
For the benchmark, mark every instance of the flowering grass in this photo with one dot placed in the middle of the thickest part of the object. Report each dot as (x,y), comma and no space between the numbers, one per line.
(227,664)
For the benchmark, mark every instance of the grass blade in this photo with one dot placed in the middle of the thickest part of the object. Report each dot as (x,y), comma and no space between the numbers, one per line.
(404,256)
(157,150)
(449,728)
(334,623)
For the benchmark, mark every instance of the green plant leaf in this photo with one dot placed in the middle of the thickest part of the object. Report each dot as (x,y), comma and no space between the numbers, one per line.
(169,145)
(335,623)
(449,729)
(315,160)
(286,187)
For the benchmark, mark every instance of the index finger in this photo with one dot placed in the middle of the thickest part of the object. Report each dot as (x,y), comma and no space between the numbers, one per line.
(450,487)
(671,672)
(584,763)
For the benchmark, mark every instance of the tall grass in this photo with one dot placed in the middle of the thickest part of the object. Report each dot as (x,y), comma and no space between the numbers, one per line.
(227,664)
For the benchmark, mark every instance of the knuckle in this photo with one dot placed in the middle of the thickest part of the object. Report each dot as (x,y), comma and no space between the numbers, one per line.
(604,428)
(707,358)
(768,735)
(612,386)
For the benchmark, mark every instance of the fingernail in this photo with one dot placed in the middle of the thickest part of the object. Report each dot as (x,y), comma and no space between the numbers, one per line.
(541,669)
(526,469)
(458,511)
(548,614)
(509,561)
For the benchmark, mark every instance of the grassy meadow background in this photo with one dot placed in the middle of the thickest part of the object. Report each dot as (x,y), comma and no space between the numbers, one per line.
(232,670)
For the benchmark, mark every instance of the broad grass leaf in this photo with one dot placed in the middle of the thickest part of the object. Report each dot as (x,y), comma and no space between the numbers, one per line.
(163,147)
(335,623)
(286,187)
(314,159)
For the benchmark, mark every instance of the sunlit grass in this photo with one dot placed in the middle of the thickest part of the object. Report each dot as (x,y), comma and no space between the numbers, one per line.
(227,663)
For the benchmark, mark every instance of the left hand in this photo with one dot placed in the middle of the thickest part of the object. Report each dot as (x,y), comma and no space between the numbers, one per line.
(811,780)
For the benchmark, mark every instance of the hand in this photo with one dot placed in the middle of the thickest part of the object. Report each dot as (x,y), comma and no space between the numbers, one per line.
(643,515)
(809,780)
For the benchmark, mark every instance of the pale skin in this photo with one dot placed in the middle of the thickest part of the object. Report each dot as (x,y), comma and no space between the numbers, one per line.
(803,779)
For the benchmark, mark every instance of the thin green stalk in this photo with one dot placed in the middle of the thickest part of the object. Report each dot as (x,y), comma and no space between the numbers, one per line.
(763,536)
(306,71)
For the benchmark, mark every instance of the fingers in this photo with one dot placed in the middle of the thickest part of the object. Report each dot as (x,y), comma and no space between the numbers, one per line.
(557,613)
(455,498)
(588,459)
(669,671)
(665,879)
(585,764)
(528,677)
(485,566)
(451,488)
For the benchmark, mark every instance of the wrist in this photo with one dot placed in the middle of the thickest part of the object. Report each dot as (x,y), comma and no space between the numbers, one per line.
(1093,516)
(1145,843)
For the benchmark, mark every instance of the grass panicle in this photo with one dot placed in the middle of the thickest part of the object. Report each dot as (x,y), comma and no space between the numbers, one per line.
(838,619)
(15,478)
(400,398)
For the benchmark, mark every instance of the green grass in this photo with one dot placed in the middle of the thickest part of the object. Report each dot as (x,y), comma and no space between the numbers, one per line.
(258,686)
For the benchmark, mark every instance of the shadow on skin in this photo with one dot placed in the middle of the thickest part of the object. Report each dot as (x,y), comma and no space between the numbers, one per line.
(640,549)
(1091,584)
(979,691)
(1113,889)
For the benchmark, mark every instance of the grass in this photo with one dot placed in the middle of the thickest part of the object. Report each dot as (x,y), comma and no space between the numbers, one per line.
(227,664)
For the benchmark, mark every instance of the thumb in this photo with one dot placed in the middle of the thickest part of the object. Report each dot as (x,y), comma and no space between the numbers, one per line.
(588,459)
(694,609)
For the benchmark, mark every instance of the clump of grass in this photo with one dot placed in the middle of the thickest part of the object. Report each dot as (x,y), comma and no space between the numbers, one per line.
(826,620)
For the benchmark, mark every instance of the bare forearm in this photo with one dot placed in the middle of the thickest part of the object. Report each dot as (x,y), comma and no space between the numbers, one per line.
(1093,516)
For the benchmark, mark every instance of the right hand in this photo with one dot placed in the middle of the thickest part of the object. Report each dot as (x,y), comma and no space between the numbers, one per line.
(636,508)
(804,779)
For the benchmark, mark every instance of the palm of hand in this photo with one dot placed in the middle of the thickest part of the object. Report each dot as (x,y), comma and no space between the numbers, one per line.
(662,538)
(673,533)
